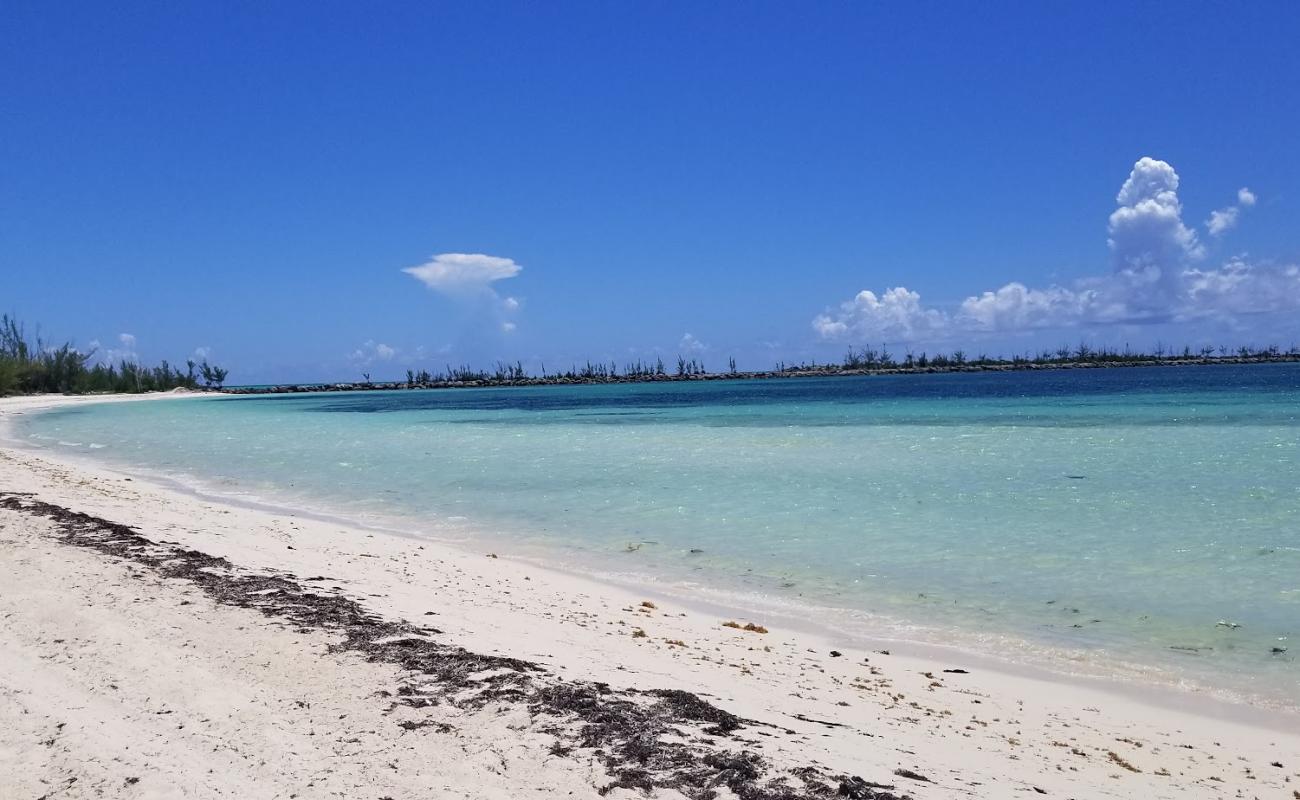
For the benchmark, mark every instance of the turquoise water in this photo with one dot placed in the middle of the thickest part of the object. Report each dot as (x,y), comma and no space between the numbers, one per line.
(1101,521)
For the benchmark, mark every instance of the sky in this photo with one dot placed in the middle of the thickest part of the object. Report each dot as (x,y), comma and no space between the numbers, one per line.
(316,191)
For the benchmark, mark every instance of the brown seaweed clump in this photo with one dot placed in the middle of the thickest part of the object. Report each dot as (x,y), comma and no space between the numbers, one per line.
(748,626)
(644,739)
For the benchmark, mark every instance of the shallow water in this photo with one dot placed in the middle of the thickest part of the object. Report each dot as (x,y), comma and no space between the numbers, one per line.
(1101,521)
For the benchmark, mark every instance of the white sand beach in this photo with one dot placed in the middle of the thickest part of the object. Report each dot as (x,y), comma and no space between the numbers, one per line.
(121,677)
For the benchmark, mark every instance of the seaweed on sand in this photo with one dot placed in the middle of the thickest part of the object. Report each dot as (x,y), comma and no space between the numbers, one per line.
(748,626)
(645,739)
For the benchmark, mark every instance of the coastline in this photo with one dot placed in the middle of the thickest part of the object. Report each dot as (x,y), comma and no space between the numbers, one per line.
(965,730)
(837,623)
(603,376)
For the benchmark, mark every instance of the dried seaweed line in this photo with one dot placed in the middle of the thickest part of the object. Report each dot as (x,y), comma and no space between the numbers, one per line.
(647,740)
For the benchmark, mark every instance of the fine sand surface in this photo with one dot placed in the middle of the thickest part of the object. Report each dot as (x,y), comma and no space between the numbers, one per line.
(321,660)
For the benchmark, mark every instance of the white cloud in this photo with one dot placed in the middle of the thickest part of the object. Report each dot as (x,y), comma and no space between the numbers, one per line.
(468,278)
(1015,307)
(116,355)
(1225,219)
(1239,287)
(895,315)
(691,345)
(1148,240)
(202,353)
(507,307)
(454,273)
(1156,277)
(372,351)
(1222,221)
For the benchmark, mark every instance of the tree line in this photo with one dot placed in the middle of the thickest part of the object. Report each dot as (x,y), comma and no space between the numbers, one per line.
(34,366)
(869,358)
(865,360)
(590,371)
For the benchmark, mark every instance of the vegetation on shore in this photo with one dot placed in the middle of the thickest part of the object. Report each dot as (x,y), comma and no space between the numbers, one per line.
(865,361)
(34,366)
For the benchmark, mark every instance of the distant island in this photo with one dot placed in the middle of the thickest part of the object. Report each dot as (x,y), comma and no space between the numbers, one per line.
(856,362)
(33,366)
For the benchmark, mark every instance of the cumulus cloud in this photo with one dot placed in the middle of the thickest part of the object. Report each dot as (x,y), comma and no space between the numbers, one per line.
(1222,220)
(1225,219)
(691,345)
(125,350)
(1156,276)
(1239,287)
(468,278)
(460,272)
(897,314)
(1148,241)
(371,352)
(1016,306)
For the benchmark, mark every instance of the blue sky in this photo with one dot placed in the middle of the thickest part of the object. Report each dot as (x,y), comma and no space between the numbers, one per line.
(254,178)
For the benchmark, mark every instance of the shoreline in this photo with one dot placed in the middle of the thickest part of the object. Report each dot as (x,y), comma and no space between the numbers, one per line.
(1149,684)
(582,627)
(1158,685)
(486,381)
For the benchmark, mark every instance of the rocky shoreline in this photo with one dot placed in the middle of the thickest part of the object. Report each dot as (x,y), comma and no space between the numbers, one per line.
(815,372)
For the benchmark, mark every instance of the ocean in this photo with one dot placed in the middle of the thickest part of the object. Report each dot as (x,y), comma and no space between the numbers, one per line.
(1137,523)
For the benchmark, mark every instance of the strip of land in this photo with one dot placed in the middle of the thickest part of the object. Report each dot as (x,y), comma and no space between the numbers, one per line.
(511,376)
(156,644)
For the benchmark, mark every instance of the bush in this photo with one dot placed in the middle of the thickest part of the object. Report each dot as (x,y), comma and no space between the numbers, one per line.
(31,366)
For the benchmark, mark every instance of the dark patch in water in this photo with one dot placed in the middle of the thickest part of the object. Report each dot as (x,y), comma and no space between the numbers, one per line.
(1160,391)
